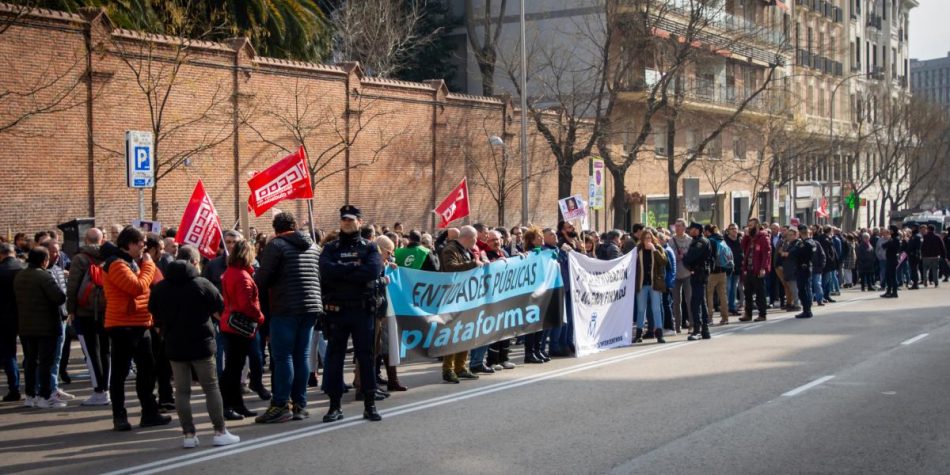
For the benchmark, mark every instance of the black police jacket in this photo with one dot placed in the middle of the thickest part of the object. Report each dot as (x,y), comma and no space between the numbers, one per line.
(289,273)
(349,269)
(698,258)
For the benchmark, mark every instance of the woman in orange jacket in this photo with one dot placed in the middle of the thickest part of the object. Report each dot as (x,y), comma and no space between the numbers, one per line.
(128,275)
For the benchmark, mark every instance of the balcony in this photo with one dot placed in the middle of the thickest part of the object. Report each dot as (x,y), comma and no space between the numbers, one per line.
(729,97)
(877,73)
(874,21)
(727,22)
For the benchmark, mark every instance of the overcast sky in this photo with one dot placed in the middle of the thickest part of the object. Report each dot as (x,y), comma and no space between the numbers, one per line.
(930,29)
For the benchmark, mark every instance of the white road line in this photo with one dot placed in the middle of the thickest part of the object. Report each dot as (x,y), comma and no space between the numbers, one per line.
(915,339)
(274,439)
(808,386)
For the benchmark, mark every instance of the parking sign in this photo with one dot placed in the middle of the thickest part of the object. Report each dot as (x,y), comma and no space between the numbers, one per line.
(139,159)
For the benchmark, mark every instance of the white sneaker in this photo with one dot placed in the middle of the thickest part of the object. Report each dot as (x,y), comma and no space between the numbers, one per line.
(97,399)
(59,397)
(225,438)
(190,442)
(497,367)
(29,401)
(51,403)
(63,395)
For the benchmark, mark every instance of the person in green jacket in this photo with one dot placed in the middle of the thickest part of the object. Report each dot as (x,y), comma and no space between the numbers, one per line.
(38,299)
(415,255)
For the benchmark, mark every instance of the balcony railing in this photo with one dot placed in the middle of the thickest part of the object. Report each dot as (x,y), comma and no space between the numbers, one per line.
(874,21)
(729,22)
(729,96)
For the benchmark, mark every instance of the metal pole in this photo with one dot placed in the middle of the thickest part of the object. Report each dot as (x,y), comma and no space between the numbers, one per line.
(524,122)
(141,204)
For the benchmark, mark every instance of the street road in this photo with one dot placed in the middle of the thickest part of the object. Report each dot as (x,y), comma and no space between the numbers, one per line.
(860,388)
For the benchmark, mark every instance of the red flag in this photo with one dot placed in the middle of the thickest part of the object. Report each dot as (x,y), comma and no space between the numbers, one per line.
(454,206)
(200,226)
(823,209)
(287,179)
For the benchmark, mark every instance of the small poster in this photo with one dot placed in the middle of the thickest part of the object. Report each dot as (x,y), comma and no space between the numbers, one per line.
(573,208)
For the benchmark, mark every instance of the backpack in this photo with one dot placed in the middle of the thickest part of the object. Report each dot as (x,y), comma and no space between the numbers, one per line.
(92,296)
(725,260)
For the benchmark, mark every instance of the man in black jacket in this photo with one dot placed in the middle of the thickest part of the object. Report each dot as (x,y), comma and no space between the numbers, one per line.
(801,250)
(9,267)
(610,248)
(289,274)
(832,262)
(892,250)
(913,249)
(698,260)
(350,268)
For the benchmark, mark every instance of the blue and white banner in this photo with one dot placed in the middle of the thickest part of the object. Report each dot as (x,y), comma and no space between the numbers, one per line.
(436,313)
(602,294)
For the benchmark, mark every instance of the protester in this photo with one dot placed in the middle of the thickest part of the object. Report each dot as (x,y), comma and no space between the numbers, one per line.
(457,256)
(682,291)
(351,268)
(128,275)
(609,248)
(698,260)
(789,271)
(865,263)
(382,328)
(651,283)
(183,305)
(415,255)
(86,305)
(802,251)
(64,342)
(732,239)
(10,266)
(892,249)
(723,262)
(756,264)
(933,252)
(239,325)
(289,273)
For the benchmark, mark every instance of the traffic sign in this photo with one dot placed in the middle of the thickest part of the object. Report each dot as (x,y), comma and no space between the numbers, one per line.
(140,159)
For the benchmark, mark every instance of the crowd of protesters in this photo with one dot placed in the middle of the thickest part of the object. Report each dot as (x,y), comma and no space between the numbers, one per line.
(293,301)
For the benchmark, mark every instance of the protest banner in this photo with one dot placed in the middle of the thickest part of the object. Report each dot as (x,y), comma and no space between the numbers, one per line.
(602,294)
(147,226)
(573,208)
(443,313)
(200,225)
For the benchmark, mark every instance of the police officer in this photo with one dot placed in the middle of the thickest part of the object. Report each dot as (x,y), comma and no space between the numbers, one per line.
(349,270)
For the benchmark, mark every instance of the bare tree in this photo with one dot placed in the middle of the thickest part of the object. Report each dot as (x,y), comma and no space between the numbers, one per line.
(324,132)
(485,46)
(188,115)
(381,35)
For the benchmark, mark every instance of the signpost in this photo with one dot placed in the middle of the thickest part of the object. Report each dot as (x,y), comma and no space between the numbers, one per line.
(140,163)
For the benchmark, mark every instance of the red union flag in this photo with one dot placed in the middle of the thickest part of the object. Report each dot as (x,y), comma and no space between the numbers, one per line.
(454,206)
(285,180)
(200,226)
(822,211)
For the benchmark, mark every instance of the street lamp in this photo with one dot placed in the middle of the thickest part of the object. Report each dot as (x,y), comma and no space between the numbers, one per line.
(496,141)
(831,140)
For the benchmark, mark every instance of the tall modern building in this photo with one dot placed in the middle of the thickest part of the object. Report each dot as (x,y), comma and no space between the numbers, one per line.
(930,79)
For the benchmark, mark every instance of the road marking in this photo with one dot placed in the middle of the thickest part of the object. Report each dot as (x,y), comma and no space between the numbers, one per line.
(915,339)
(280,438)
(808,386)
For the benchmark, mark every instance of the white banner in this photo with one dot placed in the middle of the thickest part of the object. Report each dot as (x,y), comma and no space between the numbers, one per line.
(602,294)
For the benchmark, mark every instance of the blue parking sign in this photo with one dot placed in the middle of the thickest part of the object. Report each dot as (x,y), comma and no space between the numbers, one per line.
(142,161)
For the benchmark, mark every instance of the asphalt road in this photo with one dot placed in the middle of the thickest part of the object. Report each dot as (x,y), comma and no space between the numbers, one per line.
(860,388)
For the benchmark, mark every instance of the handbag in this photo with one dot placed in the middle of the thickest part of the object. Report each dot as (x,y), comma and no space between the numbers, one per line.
(242,324)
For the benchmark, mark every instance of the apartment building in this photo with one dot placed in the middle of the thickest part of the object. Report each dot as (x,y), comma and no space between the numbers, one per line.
(930,78)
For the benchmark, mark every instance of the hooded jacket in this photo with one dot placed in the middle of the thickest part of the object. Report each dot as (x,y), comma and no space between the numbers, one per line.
(240,295)
(183,305)
(756,254)
(38,300)
(86,256)
(127,288)
(9,268)
(290,273)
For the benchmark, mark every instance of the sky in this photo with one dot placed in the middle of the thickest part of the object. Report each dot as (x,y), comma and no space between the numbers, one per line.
(929,31)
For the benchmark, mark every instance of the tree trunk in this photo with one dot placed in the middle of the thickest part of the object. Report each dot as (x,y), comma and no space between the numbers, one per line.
(672,180)
(501,211)
(621,211)
(881,217)
(486,65)
(155,201)
(565,180)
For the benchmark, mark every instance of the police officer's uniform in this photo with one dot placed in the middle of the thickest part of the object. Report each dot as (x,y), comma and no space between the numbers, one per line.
(349,271)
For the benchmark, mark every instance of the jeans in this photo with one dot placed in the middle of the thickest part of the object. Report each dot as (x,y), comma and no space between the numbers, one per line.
(128,344)
(931,270)
(290,338)
(732,286)
(817,287)
(221,347)
(882,267)
(804,291)
(668,311)
(163,369)
(207,376)
(255,358)
(38,356)
(867,280)
(476,357)
(655,299)
(57,356)
(698,310)
(827,284)
(755,290)
(8,359)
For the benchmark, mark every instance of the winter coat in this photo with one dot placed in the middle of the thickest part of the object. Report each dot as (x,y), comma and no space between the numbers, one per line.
(240,295)
(670,267)
(87,256)
(9,268)
(127,287)
(789,262)
(757,254)
(698,258)
(215,269)
(866,260)
(735,245)
(38,301)
(658,280)
(933,246)
(290,274)
(801,251)
(608,251)
(455,258)
(680,246)
(183,305)
(849,255)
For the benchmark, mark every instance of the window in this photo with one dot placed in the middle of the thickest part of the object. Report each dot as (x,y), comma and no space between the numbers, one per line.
(857,53)
(738,148)
(690,140)
(660,141)
(714,149)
